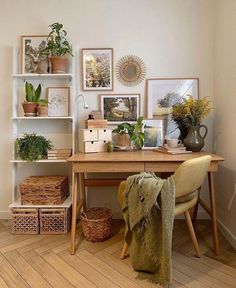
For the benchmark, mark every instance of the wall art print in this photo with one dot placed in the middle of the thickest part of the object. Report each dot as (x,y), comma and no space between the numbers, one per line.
(58,98)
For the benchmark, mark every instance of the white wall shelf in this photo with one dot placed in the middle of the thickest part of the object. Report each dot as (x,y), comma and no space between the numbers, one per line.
(41,118)
(66,76)
(39,161)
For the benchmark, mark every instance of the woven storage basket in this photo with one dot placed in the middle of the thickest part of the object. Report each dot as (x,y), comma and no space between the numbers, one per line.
(25,221)
(44,190)
(54,220)
(96,224)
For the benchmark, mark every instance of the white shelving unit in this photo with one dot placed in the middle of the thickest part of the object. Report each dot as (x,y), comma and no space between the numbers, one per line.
(60,130)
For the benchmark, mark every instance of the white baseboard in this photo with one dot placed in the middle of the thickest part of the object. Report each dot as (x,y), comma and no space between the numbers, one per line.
(5,215)
(227,233)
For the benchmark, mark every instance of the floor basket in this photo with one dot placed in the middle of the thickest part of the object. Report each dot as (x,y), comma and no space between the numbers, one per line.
(25,221)
(96,223)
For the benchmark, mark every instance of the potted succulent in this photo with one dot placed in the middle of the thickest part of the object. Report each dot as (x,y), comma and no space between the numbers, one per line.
(58,48)
(32,147)
(130,133)
(32,100)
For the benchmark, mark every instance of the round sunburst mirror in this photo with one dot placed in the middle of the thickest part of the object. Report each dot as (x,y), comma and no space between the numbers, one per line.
(130,70)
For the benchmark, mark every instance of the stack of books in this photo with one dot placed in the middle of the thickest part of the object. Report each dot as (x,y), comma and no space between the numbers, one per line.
(168,150)
(59,154)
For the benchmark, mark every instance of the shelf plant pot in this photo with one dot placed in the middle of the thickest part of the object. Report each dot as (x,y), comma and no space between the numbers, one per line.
(59,64)
(42,111)
(30,109)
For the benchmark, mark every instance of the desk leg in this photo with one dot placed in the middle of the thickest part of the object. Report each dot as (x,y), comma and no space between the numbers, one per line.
(82,191)
(74,211)
(213,211)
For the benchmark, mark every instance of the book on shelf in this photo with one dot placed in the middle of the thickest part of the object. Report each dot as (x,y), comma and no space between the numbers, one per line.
(54,151)
(173,151)
(59,154)
(58,157)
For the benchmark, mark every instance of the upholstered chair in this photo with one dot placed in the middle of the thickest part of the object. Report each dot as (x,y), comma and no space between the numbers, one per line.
(188,179)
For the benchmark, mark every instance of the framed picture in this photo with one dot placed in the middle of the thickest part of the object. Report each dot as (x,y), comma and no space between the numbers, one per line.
(117,108)
(163,93)
(58,98)
(153,133)
(32,58)
(97,69)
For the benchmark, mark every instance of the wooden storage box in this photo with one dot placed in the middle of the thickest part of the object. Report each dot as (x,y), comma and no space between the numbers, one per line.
(44,190)
(99,123)
(25,221)
(55,220)
(93,146)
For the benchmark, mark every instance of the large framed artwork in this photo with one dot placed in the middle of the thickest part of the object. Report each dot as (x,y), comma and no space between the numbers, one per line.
(163,93)
(97,69)
(153,133)
(58,101)
(33,60)
(117,108)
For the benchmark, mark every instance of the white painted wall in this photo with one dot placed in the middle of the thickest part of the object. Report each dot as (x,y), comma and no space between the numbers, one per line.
(225,114)
(173,37)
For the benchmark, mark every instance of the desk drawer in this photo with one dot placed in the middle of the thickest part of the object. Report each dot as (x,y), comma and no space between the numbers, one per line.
(108,167)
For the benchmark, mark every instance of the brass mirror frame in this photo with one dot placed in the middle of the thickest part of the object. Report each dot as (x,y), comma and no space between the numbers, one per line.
(121,70)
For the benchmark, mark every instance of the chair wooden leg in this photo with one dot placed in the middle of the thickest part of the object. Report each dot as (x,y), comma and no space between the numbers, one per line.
(192,233)
(124,251)
(195,210)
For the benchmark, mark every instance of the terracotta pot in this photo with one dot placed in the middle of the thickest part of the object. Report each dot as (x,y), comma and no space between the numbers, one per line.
(123,140)
(43,111)
(30,109)
(59,64)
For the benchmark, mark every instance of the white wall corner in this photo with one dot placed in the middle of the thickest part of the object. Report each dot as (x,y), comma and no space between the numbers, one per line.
(227,234)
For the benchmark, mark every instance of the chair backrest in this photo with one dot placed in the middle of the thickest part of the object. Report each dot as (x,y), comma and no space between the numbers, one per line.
(190,175)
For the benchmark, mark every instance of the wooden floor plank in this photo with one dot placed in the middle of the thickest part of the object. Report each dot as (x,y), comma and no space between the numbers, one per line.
(87,271)
(54,278)
(106,270)
(27,272)
(67,271)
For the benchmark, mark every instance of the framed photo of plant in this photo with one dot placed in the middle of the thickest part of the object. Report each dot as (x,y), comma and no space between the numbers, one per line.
(97,69)
(33,60)
(117,108)
(58,101)
(153,130)
(163,93)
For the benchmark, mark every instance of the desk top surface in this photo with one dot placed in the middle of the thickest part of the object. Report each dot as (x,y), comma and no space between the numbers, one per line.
(138,156)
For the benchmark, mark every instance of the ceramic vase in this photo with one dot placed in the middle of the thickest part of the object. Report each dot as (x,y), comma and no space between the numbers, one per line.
(194,140)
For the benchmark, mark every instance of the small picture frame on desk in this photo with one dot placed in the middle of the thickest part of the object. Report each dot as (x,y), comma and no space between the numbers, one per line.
(153,130)
(33,60)
(97,69)
(58,101)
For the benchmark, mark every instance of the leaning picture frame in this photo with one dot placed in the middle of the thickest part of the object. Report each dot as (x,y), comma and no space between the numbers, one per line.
(163,93)
(33,60)
(153,130)
(118,108)
(58,101)
(97,69)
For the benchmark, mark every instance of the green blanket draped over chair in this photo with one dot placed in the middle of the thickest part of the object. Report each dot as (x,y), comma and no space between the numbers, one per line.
(148,210)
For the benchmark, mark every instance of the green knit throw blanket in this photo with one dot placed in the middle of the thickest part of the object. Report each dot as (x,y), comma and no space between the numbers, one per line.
(148,210)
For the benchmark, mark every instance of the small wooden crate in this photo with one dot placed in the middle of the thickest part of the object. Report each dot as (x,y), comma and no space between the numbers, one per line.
(54,220)
(44,190)
(25,221)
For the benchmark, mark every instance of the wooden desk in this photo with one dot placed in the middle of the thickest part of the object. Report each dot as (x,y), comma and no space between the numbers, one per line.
(137,161)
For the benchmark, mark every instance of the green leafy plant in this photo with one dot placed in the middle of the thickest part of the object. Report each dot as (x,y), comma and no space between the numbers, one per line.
(33,95)
(32,147)
(135,131)
(57,43)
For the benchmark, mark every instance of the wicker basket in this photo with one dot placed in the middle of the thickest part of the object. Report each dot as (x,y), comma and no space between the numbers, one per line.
(96,224)
(44,190)
(54,220)
(25,221)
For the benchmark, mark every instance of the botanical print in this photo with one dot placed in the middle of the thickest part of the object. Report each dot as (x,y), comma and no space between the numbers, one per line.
(58,99)
(153,133)
(97,69)
(162,94)
(120,107)
(33,58)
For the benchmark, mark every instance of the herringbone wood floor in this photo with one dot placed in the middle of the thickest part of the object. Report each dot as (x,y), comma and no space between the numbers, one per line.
(44,261)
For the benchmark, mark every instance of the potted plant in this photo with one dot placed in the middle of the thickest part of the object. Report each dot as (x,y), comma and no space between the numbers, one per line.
(127,133)
(58,49)
(189,115)
(32,99)
(32,147)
